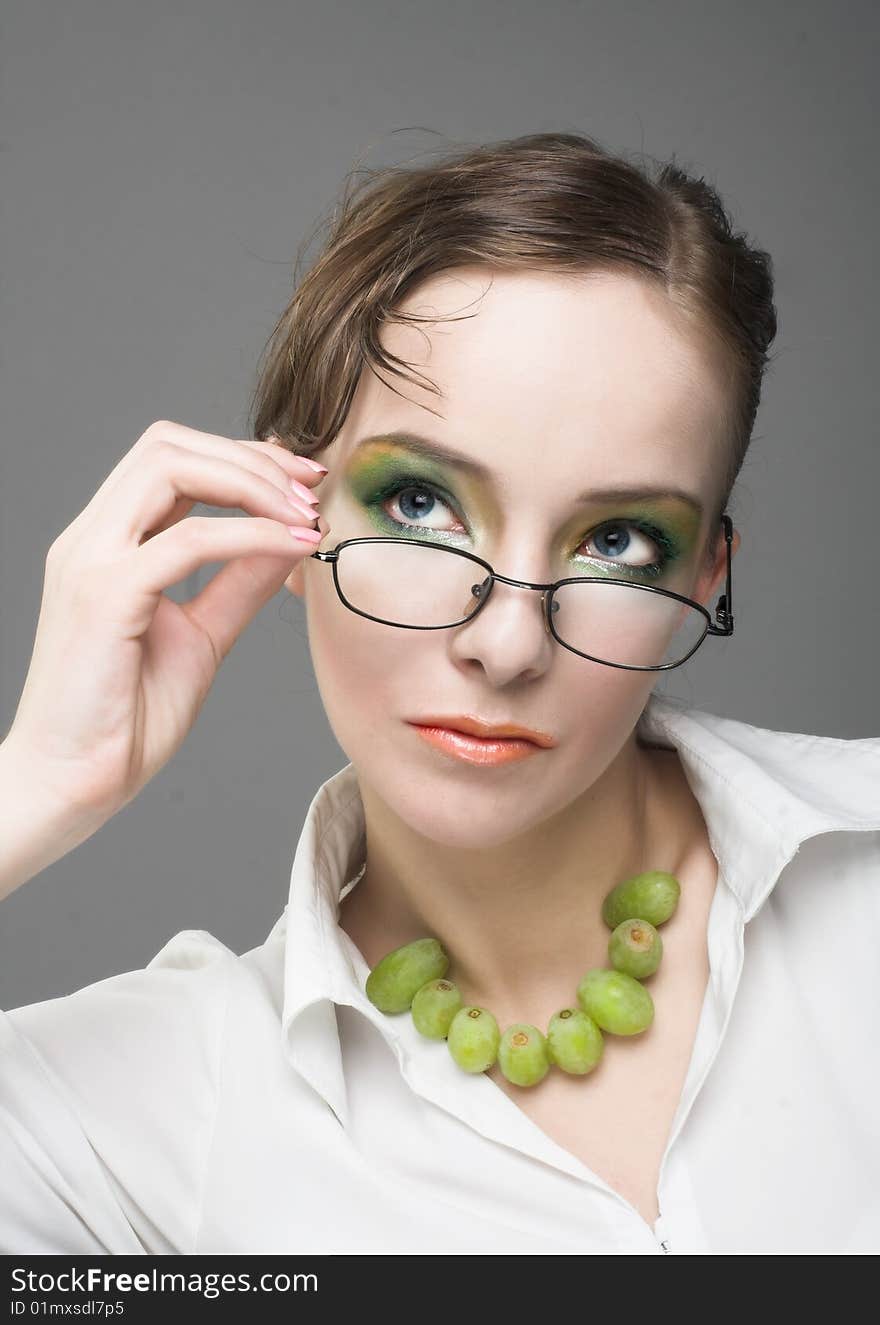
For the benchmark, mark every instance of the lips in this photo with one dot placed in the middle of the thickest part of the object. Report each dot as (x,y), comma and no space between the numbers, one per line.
(474,726)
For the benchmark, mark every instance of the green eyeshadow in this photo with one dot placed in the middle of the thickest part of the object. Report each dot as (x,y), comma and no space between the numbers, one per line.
(382,469)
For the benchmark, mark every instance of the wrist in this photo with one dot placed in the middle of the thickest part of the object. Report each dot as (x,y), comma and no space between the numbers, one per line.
(38,823)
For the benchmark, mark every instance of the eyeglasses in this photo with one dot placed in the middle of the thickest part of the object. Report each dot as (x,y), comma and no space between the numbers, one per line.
(414,584)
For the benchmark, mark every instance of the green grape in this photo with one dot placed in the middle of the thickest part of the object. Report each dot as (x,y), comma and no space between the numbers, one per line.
(635,947)
(652,896)
(522,1054)
(616,1001)
(394,981)
(574,1041)
(434,1006)
(473,1038)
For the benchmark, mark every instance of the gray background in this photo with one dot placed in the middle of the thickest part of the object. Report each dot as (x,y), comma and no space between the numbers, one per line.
(161,164)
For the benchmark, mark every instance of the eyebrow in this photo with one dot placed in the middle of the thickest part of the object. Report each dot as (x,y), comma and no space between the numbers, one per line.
(447,455)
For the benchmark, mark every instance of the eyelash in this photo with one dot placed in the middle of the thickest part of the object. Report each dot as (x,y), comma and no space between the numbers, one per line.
(667,548)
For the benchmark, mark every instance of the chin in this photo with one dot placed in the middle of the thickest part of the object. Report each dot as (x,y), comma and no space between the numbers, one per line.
(467,826)
(458,806)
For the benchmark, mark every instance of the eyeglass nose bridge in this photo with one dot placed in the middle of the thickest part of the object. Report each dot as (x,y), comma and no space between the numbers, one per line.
(548,603)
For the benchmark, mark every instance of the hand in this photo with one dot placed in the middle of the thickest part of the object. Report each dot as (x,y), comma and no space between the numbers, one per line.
(119,670)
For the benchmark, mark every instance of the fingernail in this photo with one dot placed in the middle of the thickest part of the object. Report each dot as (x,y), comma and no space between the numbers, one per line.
(313,464)
(306,535)
(302,491)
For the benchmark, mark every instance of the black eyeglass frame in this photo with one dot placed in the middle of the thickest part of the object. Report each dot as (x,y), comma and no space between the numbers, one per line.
(723,609)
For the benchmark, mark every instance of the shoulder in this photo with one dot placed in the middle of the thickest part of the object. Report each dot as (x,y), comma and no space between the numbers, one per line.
(182,989)
(820,783)
(170,1013)
(109,1095)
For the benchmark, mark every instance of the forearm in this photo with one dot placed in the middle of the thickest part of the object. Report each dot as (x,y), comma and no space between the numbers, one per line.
(37,827)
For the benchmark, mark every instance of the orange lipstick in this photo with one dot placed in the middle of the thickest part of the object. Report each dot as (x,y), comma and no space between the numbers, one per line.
(481,750)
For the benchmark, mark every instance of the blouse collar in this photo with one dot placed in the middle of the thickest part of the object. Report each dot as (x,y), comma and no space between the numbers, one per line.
(762,793)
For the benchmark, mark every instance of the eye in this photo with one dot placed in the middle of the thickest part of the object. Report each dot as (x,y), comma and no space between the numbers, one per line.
(414,502)
(615,538)
(628,546)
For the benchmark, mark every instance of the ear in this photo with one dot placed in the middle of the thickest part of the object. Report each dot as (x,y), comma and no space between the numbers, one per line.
(294,581)
(719,575)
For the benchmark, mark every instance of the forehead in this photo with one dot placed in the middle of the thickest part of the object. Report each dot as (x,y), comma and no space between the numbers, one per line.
(598,371)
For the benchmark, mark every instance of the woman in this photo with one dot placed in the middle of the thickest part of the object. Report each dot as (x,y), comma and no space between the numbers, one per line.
(588,346)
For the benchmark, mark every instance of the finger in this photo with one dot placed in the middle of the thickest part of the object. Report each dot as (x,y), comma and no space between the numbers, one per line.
(184,505)
(181,508)
(145,500)
(233,597)
(170,556)
(272,450)
(305,466)
(272,460)
(259,554)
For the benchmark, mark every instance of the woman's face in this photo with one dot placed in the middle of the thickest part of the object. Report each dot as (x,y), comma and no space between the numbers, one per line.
(557,387)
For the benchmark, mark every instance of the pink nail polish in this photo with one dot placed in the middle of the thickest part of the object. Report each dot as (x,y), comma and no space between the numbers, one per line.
(313,464)
(306,535)
(302,491)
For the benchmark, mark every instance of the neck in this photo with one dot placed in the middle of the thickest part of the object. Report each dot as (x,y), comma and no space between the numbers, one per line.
(521,921)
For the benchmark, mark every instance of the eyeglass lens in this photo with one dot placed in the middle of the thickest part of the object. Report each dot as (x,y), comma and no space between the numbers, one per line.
(420,585)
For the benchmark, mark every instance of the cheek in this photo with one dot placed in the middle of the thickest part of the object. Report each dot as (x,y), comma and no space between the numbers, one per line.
(357,663)
(599,708)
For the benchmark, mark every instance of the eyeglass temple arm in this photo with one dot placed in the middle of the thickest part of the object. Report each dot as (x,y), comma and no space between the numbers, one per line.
(724,610)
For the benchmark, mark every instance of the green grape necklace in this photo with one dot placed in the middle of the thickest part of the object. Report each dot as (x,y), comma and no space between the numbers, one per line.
(609,999)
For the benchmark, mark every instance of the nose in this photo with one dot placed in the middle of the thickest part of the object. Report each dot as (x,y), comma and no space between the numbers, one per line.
(509,635)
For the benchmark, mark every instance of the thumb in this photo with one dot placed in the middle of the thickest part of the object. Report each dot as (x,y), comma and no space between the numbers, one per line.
(230,601)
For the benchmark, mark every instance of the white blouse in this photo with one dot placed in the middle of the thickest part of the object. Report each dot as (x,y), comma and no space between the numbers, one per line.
(258,1103)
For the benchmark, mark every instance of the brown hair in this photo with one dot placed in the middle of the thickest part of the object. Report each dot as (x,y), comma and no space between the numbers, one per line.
(547,201)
